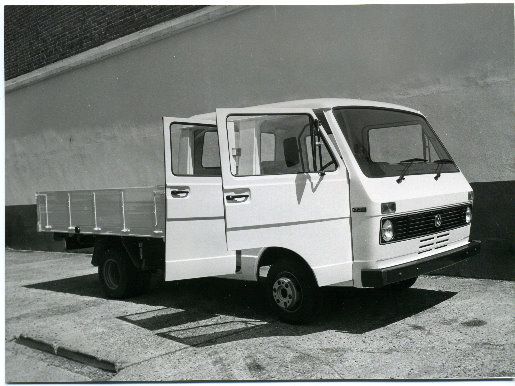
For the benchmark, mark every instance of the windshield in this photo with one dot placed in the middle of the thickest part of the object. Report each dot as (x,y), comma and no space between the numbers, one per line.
(383,140)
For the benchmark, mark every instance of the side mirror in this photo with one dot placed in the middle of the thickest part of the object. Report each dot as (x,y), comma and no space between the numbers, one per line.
(291,151)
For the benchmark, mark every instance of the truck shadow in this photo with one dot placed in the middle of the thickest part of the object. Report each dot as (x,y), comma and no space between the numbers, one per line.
(205,312)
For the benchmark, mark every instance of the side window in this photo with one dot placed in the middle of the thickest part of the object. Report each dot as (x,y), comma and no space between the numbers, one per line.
(326,158)
(210,153)
(274,144)
(267,147)
(195,150)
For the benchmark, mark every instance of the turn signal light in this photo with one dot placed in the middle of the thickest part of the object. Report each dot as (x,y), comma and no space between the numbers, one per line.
(388,207)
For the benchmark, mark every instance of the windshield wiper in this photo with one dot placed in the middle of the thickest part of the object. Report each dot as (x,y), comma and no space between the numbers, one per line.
(441,162)
(409,162)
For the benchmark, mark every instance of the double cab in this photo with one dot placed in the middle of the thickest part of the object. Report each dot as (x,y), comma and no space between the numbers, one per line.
(299,195)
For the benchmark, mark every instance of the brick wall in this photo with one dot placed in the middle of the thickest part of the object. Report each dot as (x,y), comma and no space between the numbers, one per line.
(36,36)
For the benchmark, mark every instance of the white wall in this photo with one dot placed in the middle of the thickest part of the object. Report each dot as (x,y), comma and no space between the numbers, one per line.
(99,126)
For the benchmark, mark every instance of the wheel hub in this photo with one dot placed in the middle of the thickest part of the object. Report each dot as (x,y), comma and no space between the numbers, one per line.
(285,293)
(111,274)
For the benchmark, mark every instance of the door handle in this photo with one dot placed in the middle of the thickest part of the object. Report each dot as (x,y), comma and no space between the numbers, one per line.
(234,197)
(179,193)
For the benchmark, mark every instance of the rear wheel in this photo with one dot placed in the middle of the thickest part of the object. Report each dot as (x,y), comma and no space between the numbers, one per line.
(401,285)
(292,292)
(118,276)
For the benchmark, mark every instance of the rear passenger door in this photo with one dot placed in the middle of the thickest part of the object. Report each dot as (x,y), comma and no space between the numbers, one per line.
(195,224)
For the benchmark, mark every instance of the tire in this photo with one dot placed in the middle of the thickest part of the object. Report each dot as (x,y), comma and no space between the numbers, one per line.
(292,292)
(118,276)
(401,285)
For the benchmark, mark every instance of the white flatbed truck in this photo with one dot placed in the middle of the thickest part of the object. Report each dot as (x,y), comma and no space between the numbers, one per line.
(322,192)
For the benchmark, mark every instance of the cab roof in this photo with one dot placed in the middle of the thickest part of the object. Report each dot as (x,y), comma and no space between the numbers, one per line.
(320,103)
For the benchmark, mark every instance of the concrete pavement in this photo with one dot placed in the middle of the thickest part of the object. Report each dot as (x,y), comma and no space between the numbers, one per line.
(215,329)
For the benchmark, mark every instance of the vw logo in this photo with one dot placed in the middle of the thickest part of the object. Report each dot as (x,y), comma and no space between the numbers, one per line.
(438,221)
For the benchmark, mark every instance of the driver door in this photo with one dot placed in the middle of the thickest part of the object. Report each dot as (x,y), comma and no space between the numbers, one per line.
(285,186)
(195,225)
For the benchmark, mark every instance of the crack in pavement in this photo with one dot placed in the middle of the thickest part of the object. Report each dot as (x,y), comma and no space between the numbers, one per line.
(314,357)
(186,347)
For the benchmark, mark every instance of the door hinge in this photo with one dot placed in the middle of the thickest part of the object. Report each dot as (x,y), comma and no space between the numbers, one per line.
(238,261)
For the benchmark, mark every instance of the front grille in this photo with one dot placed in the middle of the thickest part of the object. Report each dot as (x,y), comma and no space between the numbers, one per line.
(433,242)
(420,224)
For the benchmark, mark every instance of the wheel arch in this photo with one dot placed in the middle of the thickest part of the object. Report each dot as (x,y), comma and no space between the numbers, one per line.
(99,249)
(270,255)
(102,244)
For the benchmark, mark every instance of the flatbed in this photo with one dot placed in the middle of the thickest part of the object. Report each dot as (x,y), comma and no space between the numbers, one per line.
(136,211)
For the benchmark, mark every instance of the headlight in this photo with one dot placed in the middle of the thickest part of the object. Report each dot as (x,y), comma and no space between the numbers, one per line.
(468,215)
(387,230)
(471,196)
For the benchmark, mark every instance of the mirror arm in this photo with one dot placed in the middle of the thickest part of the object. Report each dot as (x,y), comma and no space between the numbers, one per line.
(318,146)
(312,133)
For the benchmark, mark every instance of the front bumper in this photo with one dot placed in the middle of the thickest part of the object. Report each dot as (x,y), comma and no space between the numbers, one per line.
(385,276)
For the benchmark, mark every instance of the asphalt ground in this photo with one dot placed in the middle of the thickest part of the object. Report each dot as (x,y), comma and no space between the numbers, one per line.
(60,328)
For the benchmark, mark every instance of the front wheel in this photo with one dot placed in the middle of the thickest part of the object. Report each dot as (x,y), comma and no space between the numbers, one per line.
(292,292)
(118,276)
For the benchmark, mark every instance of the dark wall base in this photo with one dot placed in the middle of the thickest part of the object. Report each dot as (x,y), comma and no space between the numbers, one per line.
(494,262)
(21,233)
(493,223)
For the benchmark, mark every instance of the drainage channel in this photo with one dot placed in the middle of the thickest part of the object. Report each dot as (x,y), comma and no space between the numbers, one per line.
(67,353)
